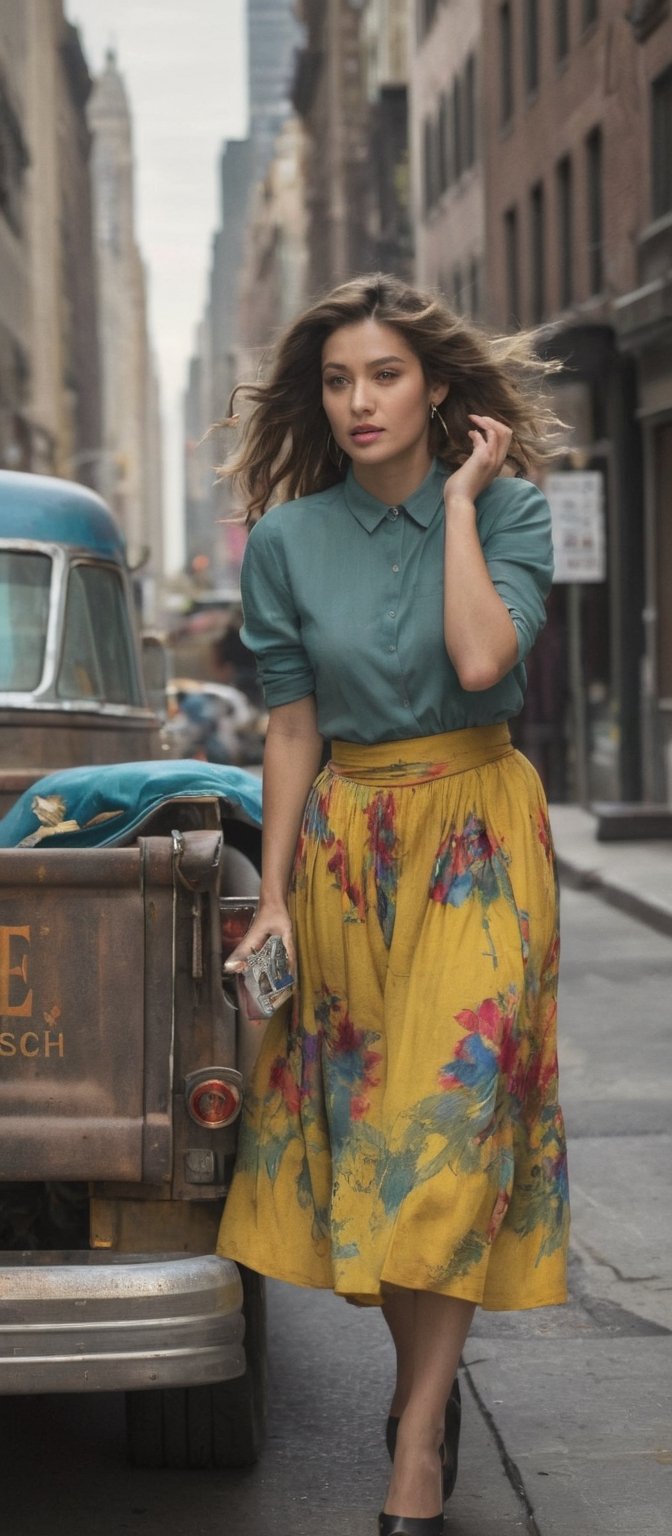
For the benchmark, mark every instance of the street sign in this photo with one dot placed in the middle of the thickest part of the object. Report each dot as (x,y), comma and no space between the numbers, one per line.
(576,500)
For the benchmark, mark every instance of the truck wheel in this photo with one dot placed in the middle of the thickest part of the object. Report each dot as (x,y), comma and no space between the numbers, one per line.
(239,1406)
(216,1426)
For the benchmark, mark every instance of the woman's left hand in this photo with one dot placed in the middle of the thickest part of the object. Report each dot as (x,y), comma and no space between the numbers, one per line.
(491,441)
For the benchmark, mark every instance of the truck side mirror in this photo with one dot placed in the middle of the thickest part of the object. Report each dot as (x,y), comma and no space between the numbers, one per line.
(155,674)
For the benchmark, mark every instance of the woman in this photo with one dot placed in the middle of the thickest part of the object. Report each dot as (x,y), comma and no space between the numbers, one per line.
(402,1140)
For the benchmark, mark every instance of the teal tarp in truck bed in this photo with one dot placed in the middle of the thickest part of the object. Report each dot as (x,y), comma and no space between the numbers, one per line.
(94,807)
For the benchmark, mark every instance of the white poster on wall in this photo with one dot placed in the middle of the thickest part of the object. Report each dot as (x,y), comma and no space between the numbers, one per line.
(576,499)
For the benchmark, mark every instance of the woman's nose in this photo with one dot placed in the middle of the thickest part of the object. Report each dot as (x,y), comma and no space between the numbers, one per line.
(360,398)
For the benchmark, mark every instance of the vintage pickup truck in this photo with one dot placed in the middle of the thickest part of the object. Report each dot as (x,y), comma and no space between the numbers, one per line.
(123,1052)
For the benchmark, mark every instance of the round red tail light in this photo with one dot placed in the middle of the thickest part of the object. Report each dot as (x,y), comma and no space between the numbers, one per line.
(214,1101)
(235,918)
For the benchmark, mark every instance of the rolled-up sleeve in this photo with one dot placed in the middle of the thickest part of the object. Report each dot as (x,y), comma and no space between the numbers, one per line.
(518,550)
(271,625)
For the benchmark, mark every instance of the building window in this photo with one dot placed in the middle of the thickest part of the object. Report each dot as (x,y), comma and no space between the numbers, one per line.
(425,17)
(505,64)
(661,144)
(475,287)
(433,168)
(561,29)
(428,164)
(14,161)
(565,234)
(594,194)
(458,137)
(511,258)
(590,13)
(645,15)
(537,253)
(443,144)
(662,499)
(470,150)
(458,296)
(448,134)
(531,46)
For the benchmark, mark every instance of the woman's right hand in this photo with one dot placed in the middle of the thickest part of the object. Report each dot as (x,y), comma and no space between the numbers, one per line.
(272,917)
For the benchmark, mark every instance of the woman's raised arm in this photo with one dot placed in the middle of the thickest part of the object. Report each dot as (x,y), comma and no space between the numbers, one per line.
(479,632)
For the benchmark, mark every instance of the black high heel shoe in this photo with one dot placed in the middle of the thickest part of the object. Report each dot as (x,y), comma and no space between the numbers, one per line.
(453,1421)
(406,1525)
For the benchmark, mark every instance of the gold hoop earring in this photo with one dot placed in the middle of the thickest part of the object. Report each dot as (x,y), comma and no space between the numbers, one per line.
(435,415)
(338,462)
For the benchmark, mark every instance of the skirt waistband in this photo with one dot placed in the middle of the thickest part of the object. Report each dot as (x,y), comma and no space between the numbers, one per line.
(420,758)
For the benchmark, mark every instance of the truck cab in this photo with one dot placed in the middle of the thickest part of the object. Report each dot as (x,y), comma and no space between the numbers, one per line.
(71,682)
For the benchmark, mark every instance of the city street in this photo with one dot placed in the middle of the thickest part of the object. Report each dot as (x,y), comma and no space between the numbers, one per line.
(397,273)
(567,1419)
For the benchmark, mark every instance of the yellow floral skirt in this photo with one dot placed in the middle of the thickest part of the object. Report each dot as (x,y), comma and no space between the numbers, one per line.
(402,1126)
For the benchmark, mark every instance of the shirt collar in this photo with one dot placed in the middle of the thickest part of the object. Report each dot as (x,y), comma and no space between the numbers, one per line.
(422,505)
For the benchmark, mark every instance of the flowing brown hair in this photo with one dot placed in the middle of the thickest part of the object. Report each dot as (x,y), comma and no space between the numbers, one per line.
(286,438)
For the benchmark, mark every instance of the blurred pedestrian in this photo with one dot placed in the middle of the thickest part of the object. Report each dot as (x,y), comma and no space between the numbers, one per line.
(231,662)
(402,1141)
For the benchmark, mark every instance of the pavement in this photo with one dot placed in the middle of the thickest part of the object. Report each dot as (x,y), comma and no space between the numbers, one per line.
(578,1399)
(634,875)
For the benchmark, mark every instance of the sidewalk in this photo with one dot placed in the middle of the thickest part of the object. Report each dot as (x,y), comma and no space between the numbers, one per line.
(635,876)
(579,1398)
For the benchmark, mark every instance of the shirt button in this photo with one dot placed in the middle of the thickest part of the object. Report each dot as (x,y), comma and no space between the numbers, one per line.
(395,567)
(393,512)
(391,613)
(391,647)
(406,702)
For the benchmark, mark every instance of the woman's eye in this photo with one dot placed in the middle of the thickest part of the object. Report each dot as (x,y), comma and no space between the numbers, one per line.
(336,378)
(387,373)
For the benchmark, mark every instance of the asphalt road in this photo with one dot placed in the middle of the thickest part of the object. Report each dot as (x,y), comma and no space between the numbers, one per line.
(324,1469)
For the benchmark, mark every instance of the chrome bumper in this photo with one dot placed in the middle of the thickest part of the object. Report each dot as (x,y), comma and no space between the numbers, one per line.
(98,1322)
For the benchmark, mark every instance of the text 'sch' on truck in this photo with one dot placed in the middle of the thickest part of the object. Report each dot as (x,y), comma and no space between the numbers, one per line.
(123,1052)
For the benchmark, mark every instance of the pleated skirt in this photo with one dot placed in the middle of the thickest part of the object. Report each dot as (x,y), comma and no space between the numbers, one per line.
(402,1126)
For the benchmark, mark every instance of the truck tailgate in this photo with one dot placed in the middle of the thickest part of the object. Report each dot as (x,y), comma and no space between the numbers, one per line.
(86,1013)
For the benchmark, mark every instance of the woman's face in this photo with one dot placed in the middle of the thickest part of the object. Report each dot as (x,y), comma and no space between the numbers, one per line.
(375,394)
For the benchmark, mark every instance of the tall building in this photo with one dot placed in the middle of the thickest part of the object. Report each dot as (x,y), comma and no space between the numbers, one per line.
(643,323)
(446,151)
(577,125)
(212,542)
(273,286)
(130,466)
(49,372)
(211,546)
(15,284)
(329,96)
(227,266)
(273,36)
(200,531)
(77,313)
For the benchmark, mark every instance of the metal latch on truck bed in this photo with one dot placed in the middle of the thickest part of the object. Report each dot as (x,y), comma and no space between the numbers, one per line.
(188,867)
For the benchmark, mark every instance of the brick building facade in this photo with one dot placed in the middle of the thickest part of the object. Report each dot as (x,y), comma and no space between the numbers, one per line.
(446,151)
(570,166)
(643,319)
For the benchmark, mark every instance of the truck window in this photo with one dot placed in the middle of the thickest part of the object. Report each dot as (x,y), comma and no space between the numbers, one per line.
(97,660)
(25,580)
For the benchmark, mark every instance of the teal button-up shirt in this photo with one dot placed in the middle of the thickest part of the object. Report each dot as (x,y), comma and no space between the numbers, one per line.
(343,597)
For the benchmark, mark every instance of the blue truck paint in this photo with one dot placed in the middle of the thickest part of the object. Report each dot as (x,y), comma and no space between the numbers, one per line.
(50,511)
